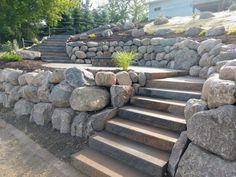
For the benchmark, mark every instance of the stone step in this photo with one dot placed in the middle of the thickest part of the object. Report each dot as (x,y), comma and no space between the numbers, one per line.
(55,54)
(178,83)
(146,159)
(151,136)
(95,164)
(154,118)
(64,37)
(165,105)
(53,43)
(181,95)
(164,73)
(53,49)
(57,61)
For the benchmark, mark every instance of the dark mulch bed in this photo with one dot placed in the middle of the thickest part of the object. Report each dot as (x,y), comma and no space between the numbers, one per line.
(60,145)
(26,65)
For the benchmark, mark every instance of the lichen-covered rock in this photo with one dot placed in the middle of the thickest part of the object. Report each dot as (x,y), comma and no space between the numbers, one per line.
(123,78)
(60,95)
(79,77)
(219,92)
(27,78)
(193,106)
(41,113)
(29,93)
(89,99)
(105,79)
(23,108)
(57,76)
(62,119)
(215,131)
(197,162)
(120,95)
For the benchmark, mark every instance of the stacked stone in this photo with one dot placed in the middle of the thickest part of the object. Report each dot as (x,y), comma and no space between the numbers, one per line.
(76,101)
(211,127)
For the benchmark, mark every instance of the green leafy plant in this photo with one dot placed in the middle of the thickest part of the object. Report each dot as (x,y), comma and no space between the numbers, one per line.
(92,35)
(123,59)
(10,57)
(202,33)
(231,31)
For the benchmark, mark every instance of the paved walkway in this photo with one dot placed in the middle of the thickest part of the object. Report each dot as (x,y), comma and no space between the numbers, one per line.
(22,157)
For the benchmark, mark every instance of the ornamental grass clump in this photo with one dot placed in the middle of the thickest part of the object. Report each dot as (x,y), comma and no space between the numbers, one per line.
(124,59)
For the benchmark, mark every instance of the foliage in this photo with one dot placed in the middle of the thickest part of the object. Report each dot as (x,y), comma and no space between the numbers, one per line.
(179,31)
(232,7)
(10,46)
(138,10)
(231,31)
(10,57)
(202,33)
(124,59)
(92,35)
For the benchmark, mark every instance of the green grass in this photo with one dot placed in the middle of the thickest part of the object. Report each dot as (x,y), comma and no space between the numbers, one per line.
(179,31)
(231,31)
(10,57)
(202,33)
(124,59)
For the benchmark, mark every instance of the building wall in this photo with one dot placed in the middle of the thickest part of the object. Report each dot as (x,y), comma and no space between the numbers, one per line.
(170,8)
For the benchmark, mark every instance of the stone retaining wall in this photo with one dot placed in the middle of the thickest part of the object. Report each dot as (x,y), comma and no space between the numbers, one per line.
(76,101)
(199,58)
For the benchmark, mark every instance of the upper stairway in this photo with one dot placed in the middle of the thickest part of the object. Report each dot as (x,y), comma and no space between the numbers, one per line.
(53,49)
(138,141)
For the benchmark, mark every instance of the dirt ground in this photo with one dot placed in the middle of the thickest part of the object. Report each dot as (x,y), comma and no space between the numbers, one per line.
(60,145)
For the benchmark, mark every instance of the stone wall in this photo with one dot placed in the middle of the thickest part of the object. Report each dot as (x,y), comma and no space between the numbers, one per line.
(199,58)
(76,101)
(211,128)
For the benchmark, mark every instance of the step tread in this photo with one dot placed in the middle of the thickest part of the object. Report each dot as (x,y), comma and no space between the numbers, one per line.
(146,130)
(173,90)
(141,151)
(154,113)
(184,79)
(160,100)
(105,165)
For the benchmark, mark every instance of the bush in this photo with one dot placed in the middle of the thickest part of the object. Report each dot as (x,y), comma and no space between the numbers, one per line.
(232,7)
(232,31)
(179,31)
(202,33)
(10,46)
(92,35)
(124,59)
(10,57)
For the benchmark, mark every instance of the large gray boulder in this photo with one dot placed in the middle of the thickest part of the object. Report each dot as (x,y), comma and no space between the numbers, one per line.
(10,75)
(78,127)
(123,78)
(23,108)
(138,32)
(42,78)
(219,92)
(57,76)
(206,15)
(120,95)
(185,59)
(228,71)
(79,77)
(28,54)
(216,31)
(12,98)
(193,31)
(194,106)
(207,45)
(195,71)
(44,92)
(27,78)
(107,33)
(164,32)
(62,119)
(89,99)
(196,162)
(41,113)
(215,130)
(29,93)
(128,25)
(161,20)
(105,79)
(60,95)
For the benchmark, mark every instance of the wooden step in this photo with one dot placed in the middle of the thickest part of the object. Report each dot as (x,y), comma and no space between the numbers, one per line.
(178,83)
(53,49)
(165,73)
(95,164)
(181,95)
(146,159)
(152,136)
(165,105)
(54,54)
(154,118)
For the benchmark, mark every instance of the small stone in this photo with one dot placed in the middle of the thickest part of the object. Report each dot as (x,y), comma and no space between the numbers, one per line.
(142,79)
(138,32)
(23,108)
(80,54)
(195,71)
(92,44)
(105,79)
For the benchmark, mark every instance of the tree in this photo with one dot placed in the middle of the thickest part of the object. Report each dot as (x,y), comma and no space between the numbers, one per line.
(138,10)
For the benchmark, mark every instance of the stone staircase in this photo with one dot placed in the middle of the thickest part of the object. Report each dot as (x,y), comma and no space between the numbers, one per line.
(138,142)
(53,49)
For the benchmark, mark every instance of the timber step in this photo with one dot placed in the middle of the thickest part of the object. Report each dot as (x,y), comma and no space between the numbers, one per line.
(165,73)
(154,118)
(144,158)
(178,83)
(93,163)
(181,95)
(152,136)
(165,105)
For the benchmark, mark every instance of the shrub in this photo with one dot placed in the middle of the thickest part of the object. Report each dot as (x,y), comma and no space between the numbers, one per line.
(232,7)
(10,57)
(124,59)
(232,31)
(202,33)
(35,40)
(10,46)
(92,35)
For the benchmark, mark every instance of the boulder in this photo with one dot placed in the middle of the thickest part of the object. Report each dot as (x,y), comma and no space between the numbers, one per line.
(189,44)
(79,125)
(23,108)
(138,32)
(228,71)
(177,152)
(10,75)
(219,92)
(29,93)
(13,97)
(62,119)
(194,106)
(133,76)
(28,54)
(92,44)
(195,71)
(120,95)
(215,31)
(79,77)
(100,119)
(219,65)
(215,131)
(193,32)
(128,25)
(203,72)
(41,113)
(105,79)
(89,99)
(185,59)
(142,49)
(57,76)
(206,15)
(161,20)
(123,78)
(8,87)
(137,42)
(42,78)
(107,33)
(60,95)
(2,98)
(207,45)
(44,92)
(216,50)
(211,71)
(164,32)
(80,54)
(142,79)
(27,78)
(145,41)
(197,162)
